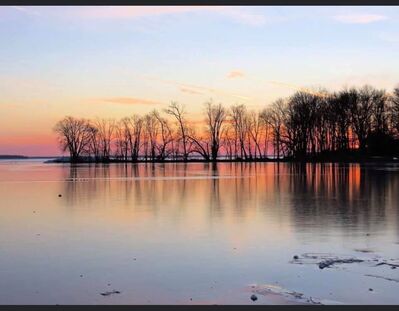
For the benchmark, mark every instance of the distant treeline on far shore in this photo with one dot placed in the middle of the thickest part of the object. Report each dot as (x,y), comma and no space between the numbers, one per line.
(11,157)
(351,124)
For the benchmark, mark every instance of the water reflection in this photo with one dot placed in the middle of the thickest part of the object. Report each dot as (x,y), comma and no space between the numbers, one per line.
(342,195)
(190,225)
(312,196)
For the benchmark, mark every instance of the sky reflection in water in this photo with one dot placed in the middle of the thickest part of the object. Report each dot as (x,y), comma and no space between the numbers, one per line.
(165,233)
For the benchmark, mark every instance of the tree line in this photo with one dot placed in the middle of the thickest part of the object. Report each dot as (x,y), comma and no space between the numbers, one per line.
(307,125)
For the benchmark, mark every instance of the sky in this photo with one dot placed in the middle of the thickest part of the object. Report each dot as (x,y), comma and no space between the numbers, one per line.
(112,62)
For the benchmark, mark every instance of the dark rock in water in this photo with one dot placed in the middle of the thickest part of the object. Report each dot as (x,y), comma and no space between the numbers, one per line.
(363,250)
(81,275)
(296,257)
(110,293)
(313,302)
(370,289)
(254,298)
(324,264)
(329,262)
(392,265)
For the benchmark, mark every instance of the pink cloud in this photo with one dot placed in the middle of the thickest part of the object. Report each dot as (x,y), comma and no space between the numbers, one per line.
(132,11)
(241,15)
(190,91)
(359,18)
(128,101)
(235,74)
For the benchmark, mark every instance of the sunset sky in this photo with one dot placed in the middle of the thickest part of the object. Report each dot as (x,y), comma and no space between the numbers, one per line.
(114,61)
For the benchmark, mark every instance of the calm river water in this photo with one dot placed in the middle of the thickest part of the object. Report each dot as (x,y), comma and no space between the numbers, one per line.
(196,233)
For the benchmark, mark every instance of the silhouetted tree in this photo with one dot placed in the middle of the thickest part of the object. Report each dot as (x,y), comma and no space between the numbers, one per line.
(200,146)
(255,131)
(136,129)
(106,128)
(300,122)
(178,112)
(274,116)
(215,118)
(166,137)
(74,136)
(239,120)
(307,125)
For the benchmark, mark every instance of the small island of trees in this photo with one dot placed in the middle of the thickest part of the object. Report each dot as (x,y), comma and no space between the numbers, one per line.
(352,124)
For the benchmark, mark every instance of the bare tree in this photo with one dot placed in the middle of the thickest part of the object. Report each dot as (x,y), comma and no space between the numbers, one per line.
(166,137)
(300,122)
(178,112)
(94,148)
(215,118)
(74,136)
(305,126)
(136,129)
(239,120)
(339,115)
(394,112)
(361,114)
(123,133)
(379,111)
(106,128)
(255,131)
(151,127)
(274,116)
(228,142)
(200,146)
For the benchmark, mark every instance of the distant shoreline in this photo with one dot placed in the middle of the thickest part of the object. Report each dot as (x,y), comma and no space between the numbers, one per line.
(22,157)
(12,157)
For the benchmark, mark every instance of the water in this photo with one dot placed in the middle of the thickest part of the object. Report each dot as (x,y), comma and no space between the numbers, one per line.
(194,233)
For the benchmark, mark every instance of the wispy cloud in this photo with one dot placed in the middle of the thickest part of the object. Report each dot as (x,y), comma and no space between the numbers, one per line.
(359,18)
(25,10)
(190,91)
(131,12)
(127,101)
(199,88)
(244,16)
(235,74)
(237,14)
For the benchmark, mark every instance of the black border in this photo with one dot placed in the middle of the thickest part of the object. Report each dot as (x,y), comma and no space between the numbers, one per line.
(203,2)
(197,307)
